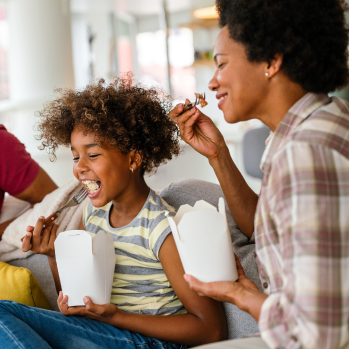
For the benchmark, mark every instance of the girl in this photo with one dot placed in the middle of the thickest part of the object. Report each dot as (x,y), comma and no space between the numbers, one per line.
(117,133)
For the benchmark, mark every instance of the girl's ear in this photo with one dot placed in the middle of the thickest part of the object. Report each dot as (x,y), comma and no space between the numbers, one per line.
(136,159)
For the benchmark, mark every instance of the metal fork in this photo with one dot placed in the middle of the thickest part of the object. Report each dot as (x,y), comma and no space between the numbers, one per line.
(193,104)
(77,199)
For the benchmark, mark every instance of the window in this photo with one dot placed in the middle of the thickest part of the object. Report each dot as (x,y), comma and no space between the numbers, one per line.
(4,43)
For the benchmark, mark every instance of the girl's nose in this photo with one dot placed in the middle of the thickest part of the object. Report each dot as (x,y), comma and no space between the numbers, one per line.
(81,166)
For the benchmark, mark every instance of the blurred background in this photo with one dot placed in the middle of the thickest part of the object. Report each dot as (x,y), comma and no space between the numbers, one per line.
(46,44)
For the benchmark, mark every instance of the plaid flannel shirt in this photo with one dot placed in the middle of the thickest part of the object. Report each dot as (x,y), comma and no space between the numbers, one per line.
(302,227)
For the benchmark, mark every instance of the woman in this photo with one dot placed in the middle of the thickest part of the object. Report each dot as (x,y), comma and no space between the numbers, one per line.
(276,61)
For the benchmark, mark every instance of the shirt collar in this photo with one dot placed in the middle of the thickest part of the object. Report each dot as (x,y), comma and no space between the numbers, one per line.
(299,112)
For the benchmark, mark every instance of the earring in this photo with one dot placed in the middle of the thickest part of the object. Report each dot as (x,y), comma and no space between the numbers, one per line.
(266,74)
(132,169)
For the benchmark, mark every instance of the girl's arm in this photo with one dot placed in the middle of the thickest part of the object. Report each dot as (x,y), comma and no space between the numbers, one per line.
(204,323)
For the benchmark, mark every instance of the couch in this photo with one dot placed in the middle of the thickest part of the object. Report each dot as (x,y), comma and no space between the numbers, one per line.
(187,191)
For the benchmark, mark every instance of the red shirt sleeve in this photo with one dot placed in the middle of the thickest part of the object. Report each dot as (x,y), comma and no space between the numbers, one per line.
(17,169)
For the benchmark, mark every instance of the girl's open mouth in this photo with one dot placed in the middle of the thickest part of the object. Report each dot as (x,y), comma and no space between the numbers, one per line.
(92,187)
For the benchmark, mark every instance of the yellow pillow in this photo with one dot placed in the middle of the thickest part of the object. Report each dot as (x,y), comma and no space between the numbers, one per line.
(19,285)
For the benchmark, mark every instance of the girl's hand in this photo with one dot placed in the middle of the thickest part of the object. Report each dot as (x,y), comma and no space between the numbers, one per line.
(40,243)
(244,293)
(198,130)
(98,312)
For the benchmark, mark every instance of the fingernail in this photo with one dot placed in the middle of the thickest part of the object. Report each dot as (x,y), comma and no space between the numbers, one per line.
(29,233)
(41,217)
(85,299)
(186,278)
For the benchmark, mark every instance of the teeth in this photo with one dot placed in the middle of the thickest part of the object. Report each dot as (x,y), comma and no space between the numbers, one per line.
(91,186)
(222,98)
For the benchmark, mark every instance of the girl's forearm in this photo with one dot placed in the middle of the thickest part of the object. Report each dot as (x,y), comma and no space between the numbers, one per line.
(241,199)
(185,329)
(54,271)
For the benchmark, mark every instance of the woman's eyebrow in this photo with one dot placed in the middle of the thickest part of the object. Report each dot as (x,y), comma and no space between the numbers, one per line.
(87,146)
(218,54)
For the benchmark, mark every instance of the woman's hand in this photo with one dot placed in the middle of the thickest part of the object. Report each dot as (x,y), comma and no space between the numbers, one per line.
(103,313)
(40,243)
(198,130)
(244,293)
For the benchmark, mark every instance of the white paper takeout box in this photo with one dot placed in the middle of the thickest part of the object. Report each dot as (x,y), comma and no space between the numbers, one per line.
(85,265)
(203,241)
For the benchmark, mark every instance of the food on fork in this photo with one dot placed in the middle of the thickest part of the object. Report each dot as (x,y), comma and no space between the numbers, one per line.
(202,100)
(91,186)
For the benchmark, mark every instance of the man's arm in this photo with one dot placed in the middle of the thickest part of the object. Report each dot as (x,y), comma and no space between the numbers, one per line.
(38,189)
(35,192)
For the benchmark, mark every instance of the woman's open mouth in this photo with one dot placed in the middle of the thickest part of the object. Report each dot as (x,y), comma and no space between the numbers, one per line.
(92,187)
(221,100)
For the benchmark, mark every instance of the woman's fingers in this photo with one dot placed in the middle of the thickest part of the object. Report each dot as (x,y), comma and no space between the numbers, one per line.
(239,267)
(196,285)
(220,290)
(184,118)
(177,110)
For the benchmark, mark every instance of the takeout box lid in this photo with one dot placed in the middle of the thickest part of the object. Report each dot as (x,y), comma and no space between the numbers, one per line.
(183,223)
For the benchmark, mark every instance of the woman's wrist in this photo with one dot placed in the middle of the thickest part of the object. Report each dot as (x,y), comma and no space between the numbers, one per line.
(221,156)
(251,302)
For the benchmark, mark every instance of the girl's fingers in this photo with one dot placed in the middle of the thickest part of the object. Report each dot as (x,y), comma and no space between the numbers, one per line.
(45,237)
(29,228)
(26,243)
(37,232)
(62,303)
(53,235)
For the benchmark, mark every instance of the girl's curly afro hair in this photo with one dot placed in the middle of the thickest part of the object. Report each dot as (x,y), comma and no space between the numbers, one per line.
(311,35)
(124,113)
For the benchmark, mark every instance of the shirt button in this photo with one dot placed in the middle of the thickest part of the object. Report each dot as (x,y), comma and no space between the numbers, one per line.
(265,285)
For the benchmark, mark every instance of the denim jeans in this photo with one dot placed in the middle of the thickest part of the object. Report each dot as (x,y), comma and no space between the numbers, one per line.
(33,328)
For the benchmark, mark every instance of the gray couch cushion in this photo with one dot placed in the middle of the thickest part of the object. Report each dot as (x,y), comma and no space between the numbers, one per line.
(189,191)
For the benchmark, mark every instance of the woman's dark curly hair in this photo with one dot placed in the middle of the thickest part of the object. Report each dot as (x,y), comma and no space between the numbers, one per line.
(310,34)
(128,115)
